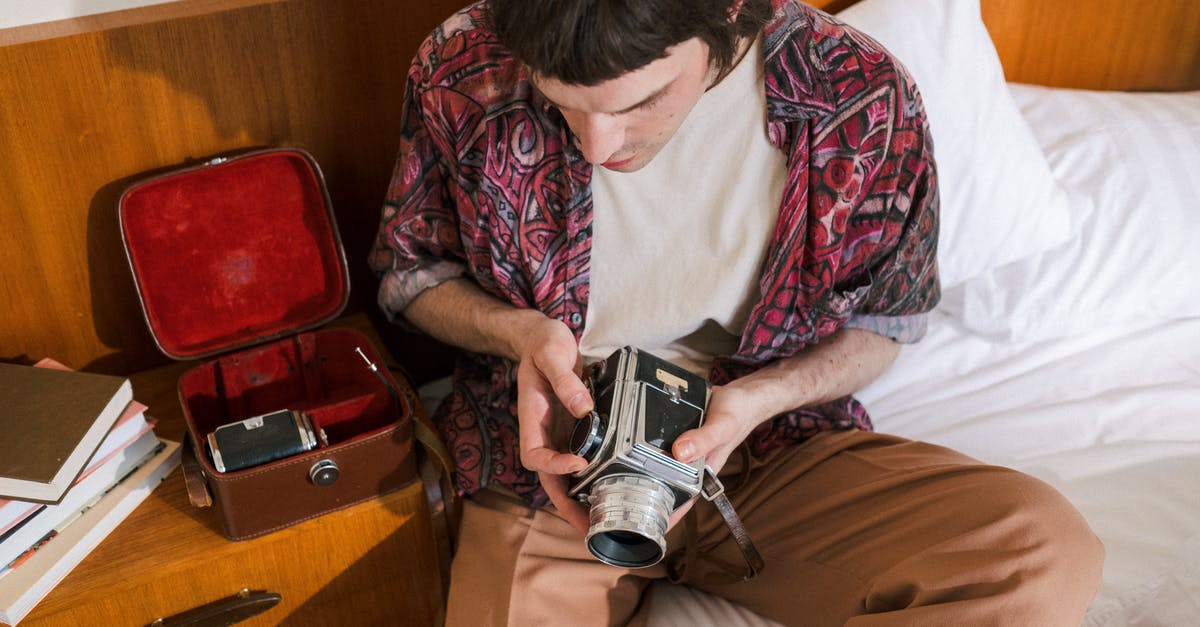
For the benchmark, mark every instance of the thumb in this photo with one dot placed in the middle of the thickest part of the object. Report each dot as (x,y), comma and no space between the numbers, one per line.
(691,445)
(559,368)
(572,393)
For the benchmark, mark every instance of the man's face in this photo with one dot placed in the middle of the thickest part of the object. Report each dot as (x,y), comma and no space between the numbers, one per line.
(622,123)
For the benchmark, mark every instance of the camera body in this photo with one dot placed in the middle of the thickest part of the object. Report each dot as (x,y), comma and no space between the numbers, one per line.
(260,439)
(632,483)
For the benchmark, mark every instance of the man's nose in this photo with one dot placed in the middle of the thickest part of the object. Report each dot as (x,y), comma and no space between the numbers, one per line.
(600,136)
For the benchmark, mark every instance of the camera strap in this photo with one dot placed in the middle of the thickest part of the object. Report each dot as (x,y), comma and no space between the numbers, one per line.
(714,491)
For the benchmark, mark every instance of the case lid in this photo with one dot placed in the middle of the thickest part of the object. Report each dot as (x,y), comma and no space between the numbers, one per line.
(234,252)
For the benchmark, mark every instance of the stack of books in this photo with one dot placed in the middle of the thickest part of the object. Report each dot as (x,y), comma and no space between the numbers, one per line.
(77,455)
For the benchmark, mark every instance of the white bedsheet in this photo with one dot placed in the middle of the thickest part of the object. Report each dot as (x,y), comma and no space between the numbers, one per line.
(1111,419)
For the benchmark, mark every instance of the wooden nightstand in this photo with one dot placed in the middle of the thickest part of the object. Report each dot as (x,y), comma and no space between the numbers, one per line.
(371,564)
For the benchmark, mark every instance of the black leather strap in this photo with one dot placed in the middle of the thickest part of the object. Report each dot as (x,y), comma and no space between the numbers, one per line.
(715,492)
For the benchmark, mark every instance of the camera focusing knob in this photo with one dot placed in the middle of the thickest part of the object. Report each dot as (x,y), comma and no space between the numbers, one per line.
(324,472)
(588,435)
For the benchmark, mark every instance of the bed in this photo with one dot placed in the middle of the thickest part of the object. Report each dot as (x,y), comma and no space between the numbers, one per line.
(1067,342)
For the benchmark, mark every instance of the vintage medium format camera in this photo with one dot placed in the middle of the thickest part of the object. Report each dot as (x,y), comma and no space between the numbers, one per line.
(632,483)
(260,439)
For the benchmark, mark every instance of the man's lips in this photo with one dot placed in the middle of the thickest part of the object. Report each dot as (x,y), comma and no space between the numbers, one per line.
(617,164)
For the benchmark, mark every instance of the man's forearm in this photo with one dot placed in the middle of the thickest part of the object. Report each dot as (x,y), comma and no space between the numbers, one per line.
(459,313)
(841,364)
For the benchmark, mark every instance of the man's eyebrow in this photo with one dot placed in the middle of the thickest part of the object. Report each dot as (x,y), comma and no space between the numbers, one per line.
(645,101)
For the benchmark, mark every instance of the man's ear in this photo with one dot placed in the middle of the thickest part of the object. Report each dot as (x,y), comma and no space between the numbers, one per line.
(734,9)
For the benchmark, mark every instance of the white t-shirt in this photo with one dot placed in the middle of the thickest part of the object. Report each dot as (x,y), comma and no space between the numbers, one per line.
(678,246)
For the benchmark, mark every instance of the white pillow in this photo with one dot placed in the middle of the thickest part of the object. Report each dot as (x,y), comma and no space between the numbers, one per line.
(1000,202)
(1137,257)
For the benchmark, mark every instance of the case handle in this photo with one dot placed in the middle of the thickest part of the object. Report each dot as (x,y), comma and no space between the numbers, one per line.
(193,474)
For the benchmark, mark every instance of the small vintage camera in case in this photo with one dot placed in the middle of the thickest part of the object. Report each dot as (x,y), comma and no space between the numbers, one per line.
(260,439)
(632,483)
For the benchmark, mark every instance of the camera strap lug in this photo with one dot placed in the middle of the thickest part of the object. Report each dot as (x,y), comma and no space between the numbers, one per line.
(712,487)
(714,491)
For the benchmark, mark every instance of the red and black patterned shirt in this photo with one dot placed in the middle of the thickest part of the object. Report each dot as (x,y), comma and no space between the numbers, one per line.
(490,184)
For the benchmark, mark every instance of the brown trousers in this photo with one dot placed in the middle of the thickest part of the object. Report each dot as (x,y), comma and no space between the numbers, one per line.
(856,528)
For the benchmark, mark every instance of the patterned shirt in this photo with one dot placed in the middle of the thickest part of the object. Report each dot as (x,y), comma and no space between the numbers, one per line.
(491,184)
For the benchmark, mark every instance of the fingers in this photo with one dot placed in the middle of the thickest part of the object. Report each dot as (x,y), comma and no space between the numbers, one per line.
(550,461)
(553,353)
(570,509)
(535,405)
(547,382)
(536,413)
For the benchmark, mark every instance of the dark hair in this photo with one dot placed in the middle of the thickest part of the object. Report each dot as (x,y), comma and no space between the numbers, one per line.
(586,42)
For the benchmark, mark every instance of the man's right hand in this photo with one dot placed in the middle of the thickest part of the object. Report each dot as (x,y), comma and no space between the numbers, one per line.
(550,397)
(549,390)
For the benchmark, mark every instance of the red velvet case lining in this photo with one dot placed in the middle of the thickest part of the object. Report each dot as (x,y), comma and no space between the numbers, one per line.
(319,373)
(234,254)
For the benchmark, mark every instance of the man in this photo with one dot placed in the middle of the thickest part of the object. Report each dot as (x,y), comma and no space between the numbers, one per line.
(748,190)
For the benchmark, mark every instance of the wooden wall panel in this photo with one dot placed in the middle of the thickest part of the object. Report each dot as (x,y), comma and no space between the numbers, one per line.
(1098,44)
(1092,44)
(86,105)
(89,103)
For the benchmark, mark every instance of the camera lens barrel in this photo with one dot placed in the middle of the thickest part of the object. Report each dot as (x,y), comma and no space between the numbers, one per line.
(628,520)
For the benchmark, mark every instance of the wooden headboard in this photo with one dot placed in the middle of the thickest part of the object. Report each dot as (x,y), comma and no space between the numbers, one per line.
(1093,44)
(87,104)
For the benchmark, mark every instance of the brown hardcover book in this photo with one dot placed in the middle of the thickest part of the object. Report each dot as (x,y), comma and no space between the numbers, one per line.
(51,422)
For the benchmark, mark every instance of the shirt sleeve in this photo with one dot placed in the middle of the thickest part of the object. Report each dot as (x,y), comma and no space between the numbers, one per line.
(888,272)
(417,245)
(903,329)
(905,284)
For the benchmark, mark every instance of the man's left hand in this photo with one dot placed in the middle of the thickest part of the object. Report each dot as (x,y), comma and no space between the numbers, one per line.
(732,414)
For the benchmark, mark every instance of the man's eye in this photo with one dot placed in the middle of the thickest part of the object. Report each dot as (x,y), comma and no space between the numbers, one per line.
(647,105)
(651,104)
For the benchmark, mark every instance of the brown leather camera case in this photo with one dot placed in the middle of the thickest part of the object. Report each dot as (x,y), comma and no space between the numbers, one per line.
(238,264)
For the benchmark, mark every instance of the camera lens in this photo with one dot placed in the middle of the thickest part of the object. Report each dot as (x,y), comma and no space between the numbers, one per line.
(628,520)
(588,435)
